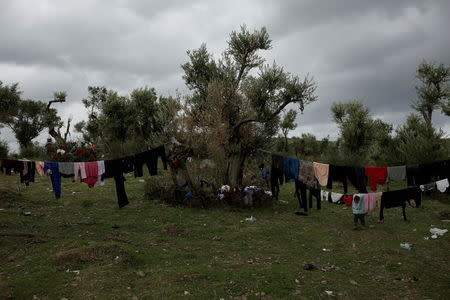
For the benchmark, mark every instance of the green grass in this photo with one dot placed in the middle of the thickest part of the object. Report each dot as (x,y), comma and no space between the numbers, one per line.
(68,248)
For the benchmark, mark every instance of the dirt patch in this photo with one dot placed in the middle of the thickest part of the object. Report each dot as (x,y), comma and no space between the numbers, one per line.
(88,255)
(174,230)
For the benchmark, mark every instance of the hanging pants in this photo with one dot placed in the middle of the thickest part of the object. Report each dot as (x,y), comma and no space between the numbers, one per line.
(114,168)
(315,193)
(54,176)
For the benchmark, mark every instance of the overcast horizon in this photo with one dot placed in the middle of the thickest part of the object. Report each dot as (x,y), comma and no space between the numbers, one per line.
(366,50)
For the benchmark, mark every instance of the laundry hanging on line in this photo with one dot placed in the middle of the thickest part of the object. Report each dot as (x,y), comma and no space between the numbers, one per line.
(92,172)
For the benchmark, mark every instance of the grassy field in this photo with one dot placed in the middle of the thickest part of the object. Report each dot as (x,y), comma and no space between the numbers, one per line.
(69,248)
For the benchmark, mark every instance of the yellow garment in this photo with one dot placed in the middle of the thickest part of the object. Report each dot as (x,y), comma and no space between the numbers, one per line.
(321,172)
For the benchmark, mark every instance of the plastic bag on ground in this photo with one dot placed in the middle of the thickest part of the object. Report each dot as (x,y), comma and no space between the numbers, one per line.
(438,231)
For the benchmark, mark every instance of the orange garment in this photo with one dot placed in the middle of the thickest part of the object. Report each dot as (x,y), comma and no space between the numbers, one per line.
(321,172)
(376,175)
(40,167)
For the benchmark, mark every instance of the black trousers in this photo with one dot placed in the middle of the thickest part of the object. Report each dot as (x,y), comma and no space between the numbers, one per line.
(315,193)
(360,217)
(114,169)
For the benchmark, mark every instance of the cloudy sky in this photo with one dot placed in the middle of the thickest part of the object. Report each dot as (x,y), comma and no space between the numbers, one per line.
(367,50)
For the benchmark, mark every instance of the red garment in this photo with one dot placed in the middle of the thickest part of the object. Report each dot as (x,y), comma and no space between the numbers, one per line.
(91,168)
(348,199)
(376,175)
(79,151)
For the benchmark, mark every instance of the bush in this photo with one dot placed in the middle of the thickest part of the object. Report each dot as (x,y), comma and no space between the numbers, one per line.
(34,151)
(159,187)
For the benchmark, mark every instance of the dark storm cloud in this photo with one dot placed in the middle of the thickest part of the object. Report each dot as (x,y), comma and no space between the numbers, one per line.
(292,16)
(367,50)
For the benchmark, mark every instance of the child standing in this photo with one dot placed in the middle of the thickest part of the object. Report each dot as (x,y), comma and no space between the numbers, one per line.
(358,210)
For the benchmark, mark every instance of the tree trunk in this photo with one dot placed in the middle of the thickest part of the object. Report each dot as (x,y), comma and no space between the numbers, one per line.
(286,143)
(235,168)
(25,144)
(57,136)
(180,173)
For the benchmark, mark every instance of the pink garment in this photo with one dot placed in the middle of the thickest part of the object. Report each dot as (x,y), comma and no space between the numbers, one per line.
(39,165)
(369,202)
(321,172)
(79,167)
(91,168)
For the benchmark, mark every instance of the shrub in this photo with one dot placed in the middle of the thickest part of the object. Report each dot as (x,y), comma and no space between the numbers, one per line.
(34,151)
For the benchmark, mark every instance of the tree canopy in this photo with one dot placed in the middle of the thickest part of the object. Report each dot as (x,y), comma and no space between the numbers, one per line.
(359,133)
(9,97)
(139,121)
(240,111)
(433,90)
(28,120)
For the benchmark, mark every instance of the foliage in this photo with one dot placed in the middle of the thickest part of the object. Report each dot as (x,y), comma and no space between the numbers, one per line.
(92,131)
(32,151)
(361,137)
(154,119)
(9,98)
(308,145)
(116,117)
(134,123)
(416,143)
(288,124)
(433,90)
(28,120)
(240,112)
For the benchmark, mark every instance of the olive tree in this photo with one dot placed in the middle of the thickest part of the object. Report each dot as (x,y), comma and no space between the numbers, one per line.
(237,99)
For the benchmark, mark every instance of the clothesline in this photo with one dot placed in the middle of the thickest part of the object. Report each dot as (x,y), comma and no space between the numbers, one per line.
(91,172)
(275,153)
(22,159)
(94,172)
(312,175)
